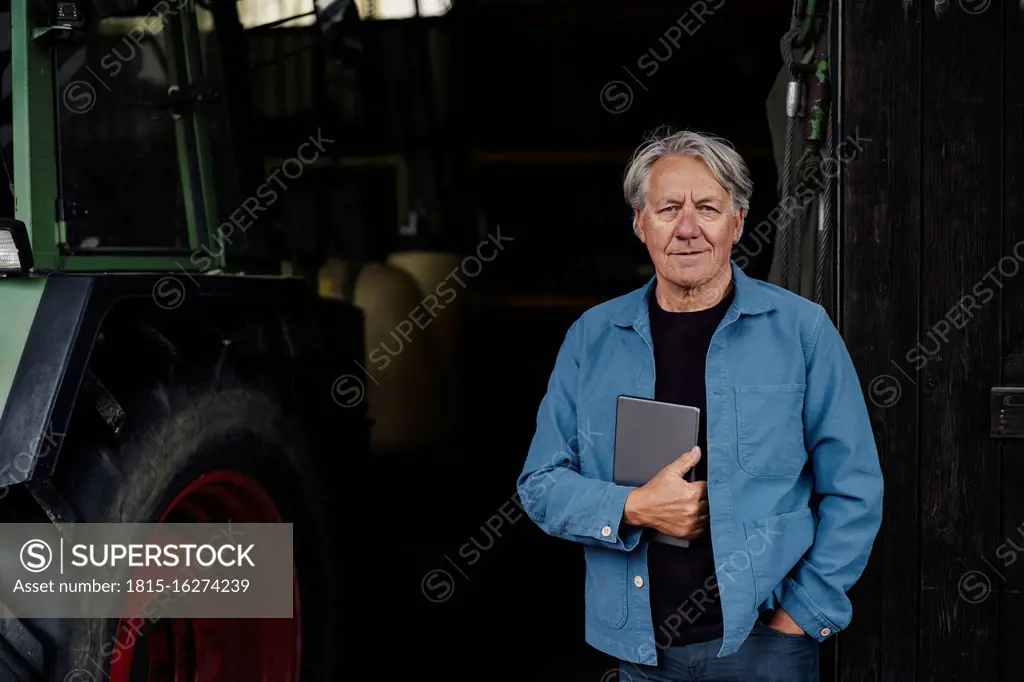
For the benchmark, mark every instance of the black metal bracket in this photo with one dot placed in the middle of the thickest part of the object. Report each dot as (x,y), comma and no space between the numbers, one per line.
(53,34)
(1007,405)
(66,19)
(180,99)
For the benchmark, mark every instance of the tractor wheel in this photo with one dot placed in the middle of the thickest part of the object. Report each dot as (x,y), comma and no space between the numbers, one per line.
(201,448)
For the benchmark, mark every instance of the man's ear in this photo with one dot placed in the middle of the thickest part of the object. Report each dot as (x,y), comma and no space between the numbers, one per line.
(740,217)
(639,225)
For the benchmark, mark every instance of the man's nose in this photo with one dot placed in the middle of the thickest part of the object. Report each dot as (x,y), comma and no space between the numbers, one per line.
(687,226)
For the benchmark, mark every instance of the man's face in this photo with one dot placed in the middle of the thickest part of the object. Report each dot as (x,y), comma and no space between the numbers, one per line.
(688,224)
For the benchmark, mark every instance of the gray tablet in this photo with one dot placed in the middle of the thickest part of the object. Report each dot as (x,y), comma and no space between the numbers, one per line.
(649,435)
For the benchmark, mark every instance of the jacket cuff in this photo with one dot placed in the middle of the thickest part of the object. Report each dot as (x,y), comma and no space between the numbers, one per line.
(610,528)
(801,609)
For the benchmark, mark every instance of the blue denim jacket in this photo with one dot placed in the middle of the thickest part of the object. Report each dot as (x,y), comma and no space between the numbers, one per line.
(794,483)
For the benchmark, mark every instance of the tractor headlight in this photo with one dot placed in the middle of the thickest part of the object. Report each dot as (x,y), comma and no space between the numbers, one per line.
(15,252)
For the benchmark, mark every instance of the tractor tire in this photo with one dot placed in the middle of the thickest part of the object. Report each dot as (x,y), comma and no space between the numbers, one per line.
(143,437)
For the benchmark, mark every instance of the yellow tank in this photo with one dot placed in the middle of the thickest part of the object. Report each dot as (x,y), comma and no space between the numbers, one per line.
(445,305)
(404,381)
(332,277)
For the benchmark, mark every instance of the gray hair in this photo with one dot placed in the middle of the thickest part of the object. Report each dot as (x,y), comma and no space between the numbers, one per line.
(728,167)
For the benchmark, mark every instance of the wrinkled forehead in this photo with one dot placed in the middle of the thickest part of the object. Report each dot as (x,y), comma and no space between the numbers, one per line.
(683,178)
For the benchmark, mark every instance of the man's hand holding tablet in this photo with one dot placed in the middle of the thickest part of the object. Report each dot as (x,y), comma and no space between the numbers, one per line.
(669,503)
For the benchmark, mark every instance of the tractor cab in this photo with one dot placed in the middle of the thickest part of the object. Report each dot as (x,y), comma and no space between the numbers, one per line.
(134,130)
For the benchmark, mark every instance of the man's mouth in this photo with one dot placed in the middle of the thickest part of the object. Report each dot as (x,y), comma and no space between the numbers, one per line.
(688,253)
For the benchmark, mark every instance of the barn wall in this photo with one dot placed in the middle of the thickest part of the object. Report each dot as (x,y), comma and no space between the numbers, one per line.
(929,215)
(1005,555)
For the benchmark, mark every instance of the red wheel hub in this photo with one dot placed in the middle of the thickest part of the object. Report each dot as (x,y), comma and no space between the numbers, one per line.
(212,650)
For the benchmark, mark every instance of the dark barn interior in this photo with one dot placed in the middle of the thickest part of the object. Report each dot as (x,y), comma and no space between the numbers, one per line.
(520,116)
(517,118)
(536,151)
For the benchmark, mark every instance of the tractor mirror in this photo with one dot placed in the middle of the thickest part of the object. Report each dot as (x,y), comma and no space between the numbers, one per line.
(15,251)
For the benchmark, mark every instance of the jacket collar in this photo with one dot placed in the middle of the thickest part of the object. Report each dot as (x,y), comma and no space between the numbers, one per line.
(750,299)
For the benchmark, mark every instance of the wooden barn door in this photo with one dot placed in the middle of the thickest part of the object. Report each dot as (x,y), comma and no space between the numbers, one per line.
(932,309)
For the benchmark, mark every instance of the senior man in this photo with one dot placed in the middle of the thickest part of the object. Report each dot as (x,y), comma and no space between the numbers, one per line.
(787,496)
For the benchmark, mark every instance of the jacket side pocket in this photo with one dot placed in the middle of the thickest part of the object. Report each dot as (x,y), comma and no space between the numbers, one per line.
(606,585)
(776,544)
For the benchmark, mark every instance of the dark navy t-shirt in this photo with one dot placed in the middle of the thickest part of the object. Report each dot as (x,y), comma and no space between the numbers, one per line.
(685,603)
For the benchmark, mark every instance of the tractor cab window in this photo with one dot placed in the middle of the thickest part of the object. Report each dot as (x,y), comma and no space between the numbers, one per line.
(120,181)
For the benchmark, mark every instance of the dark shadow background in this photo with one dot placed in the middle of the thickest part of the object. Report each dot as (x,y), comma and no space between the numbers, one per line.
(525,142)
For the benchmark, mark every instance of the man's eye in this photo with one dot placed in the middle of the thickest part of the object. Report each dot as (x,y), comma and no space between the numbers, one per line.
(669,208)
(710,208)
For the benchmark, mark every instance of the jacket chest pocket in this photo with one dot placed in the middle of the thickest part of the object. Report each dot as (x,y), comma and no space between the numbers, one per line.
(771,429)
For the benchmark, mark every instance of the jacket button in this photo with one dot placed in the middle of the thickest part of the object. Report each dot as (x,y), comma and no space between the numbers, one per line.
(638,581)
(825,632)
(606,531)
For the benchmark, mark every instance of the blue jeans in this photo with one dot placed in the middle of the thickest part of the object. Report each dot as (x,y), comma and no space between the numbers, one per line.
(767,655)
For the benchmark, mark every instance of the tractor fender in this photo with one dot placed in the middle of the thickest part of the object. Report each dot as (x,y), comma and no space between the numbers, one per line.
(322,339)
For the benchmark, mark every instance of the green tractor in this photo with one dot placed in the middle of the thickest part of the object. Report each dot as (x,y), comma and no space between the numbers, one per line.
(155,365)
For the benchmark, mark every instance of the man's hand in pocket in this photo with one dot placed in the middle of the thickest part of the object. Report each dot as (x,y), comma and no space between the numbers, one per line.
(783,622)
